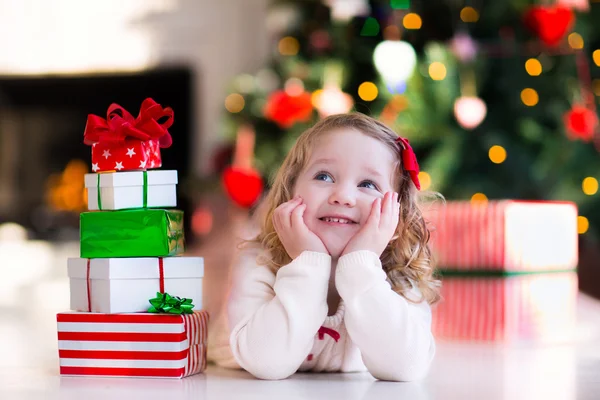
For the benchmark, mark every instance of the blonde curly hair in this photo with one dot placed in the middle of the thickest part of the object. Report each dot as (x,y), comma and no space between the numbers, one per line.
(407,259)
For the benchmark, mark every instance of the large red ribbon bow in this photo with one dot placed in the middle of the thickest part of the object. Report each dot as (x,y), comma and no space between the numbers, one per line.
(120,125)
(409,161)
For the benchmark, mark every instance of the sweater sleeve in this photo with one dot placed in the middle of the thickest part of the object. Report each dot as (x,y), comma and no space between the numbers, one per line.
(276,316)
(393,335)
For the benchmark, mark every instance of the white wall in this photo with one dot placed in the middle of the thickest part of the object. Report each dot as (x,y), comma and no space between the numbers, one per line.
(216,38)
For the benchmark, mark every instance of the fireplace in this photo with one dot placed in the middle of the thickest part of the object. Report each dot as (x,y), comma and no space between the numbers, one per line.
(42,155)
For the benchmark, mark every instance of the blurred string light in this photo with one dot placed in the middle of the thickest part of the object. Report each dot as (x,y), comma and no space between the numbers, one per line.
(234,103)
(370,28)
(469,14)
(368,91)
(294,87)
(412,21)
(582,224)
(437,71)
(479,199)
(288,46)
(575,41)
(533,67)
(596,57)
(400,4)
(590,186)
(529,97)
(395,61)
(497,154)
(425,180)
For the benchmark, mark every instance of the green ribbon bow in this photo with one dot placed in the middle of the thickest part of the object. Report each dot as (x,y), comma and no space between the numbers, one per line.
(165,303)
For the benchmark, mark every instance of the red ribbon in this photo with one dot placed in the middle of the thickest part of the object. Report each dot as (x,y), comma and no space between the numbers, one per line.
(120,125)
(335,335)
(409,161)
(161,275)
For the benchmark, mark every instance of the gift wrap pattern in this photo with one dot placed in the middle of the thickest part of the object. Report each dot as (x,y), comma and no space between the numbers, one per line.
(134,345)
(508,270)
(519,308)
(134,189)
(131,233)
(504,235)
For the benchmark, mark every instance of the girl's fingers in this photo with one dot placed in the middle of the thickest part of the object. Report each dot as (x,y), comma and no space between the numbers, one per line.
(297,217)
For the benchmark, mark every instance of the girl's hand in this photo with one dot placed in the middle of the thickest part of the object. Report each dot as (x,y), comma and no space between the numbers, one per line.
(293,232)
(379,229)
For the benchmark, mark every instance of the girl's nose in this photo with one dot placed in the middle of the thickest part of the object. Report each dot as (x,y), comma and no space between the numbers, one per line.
(342,196)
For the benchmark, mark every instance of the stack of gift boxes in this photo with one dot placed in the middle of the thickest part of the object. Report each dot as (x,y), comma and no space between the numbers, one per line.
(508,271)
(136,301)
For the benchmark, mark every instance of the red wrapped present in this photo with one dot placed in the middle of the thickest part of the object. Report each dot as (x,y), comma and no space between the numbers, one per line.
(504,235)
(122,143)
(525,308)
(132,345)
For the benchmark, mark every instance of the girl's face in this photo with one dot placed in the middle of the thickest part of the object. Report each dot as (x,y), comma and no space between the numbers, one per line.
(347,171)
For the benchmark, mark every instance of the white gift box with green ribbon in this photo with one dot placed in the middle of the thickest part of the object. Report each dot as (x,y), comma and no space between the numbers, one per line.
(132,189)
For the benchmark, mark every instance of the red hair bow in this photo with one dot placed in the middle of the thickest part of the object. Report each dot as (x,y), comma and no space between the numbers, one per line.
(120,125)
(409,161)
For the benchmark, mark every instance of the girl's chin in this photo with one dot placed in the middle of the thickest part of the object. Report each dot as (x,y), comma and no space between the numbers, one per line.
(335,249)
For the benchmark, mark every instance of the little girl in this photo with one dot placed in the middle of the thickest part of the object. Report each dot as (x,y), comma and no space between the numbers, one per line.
(339,277)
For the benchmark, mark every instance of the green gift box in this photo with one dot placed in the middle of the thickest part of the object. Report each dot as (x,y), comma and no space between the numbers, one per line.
(131,233)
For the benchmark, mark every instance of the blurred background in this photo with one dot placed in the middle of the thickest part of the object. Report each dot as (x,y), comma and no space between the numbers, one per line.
(498,98)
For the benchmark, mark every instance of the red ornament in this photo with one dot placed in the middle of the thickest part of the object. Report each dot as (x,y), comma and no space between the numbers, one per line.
(549,23)
(581,123)
(286,110)
(244,186)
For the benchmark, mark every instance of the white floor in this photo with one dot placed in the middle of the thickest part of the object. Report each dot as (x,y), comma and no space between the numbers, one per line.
(29,364)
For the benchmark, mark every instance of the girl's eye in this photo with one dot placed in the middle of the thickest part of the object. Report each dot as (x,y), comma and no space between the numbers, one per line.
(324,176)
(368,185)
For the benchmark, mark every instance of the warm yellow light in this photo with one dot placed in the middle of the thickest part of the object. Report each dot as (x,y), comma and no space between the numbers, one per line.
(529,97)
(479,199)
(315,98)
(533,67)
(425,180)
(288,46)
(469,14)
(437,71)
(596,57)
(497,154)
(582,224)
(590,185)
(234,103)
(412,21)
(575,41)
(368,91)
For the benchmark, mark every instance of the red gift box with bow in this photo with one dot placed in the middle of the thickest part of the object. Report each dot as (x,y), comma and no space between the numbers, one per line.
(123,143)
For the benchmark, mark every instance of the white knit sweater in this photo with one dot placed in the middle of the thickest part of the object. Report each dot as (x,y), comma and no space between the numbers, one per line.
(278,323)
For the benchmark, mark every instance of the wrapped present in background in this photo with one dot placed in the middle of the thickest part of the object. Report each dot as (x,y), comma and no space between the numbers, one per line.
(136,189)
(538,307)
(124,285)
(131,233)
(121,142)
(132,345)
(504,235)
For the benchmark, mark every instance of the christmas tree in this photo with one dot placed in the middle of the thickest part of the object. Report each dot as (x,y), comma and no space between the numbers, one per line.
(497,99)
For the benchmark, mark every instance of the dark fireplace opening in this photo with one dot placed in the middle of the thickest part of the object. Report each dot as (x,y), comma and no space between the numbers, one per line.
(42,155)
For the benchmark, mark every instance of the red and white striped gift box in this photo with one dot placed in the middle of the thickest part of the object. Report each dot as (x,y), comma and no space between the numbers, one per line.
(504,235)
(520,308)
(133,345)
